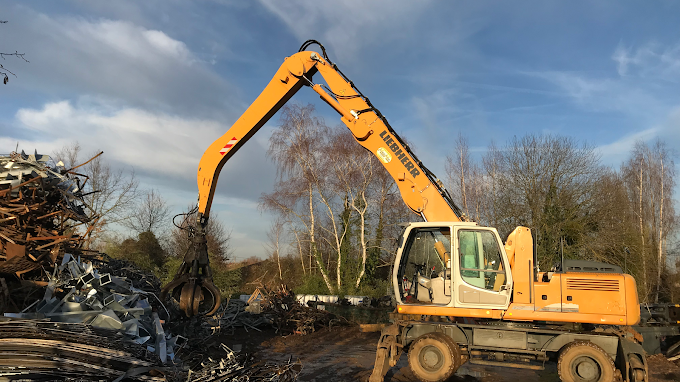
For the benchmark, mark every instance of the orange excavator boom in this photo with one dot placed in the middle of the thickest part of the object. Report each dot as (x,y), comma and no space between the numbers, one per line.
(420,190)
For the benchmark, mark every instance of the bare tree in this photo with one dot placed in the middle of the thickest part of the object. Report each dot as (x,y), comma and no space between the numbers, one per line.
(149,214)
(458,169)
(544,182)
(275,236)
(298,242)
(352,169)
(294,146)
(650,175)
(636,172)
(68,155)
(335,197)
(109,192)
(3,70)
(492,164)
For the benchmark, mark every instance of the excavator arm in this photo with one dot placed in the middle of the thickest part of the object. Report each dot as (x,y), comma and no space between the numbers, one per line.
(422,192)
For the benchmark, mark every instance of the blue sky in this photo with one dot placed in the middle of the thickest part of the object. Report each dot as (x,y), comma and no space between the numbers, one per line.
(153,83)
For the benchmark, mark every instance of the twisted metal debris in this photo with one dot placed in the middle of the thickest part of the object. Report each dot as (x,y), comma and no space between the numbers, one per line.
(236,367)
(46,351)
(75,314)
(53,293)
(43,206)
(39,209)
(232,315)
(291,317)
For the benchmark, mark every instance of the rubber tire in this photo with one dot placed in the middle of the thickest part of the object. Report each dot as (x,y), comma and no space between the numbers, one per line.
(673,350)
(637,370)
(433,343)
(573,351)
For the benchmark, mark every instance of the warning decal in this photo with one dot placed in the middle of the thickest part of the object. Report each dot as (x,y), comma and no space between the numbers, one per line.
(228,146)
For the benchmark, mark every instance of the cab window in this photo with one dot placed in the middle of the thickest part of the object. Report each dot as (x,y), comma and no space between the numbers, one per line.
(480,259)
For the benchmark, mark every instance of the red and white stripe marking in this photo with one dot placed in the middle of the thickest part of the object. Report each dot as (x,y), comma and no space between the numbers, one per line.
(229,145)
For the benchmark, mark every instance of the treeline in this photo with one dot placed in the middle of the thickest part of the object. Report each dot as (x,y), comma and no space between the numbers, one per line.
(576,206)
(339,210)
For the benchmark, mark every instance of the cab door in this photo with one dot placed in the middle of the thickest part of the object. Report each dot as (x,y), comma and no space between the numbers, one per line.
(482,277)
(423,266)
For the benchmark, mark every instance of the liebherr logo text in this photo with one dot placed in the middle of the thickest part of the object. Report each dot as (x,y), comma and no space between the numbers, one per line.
(403,158)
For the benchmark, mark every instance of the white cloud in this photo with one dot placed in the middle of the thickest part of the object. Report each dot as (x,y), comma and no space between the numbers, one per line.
(347,25)
(124,38)
(651,61)
(668,131)
(622,147)
(143,67)
(158,145)
(42,121)
(145,140)
(604,94)
(644,91)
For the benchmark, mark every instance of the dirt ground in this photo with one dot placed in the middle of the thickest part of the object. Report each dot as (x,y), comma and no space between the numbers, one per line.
(346,354)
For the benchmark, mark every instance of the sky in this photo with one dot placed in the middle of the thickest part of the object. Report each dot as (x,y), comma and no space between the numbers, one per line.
(153,83)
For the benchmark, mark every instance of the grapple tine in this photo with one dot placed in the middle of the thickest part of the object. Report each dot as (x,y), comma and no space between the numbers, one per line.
(217,298)
(192,278)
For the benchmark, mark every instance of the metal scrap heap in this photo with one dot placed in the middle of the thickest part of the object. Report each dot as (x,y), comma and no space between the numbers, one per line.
(40,207)
(236,367)
(70,313)
(85,318)
(46,351)
(232,315)
(77,292)
(67,308)
(291,317)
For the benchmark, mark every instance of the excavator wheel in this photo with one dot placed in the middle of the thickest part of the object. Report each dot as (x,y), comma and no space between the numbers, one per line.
(583,361)
(434,357)
(674,349)
(637,371)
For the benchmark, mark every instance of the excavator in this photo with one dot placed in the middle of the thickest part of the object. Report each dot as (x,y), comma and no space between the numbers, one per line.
(462,294)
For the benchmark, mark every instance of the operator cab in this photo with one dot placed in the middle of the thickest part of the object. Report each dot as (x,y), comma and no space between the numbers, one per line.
(426,272)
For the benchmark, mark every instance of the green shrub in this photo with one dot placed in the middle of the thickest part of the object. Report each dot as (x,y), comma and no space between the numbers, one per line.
(312,284)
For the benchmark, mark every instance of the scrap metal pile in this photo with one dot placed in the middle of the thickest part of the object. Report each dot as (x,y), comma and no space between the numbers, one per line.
(232,315)
(78,293)
(41,350)
(69,313)
(279,308)
(241,368)
(40,207)
(90,325)
(291,317)
(49,274)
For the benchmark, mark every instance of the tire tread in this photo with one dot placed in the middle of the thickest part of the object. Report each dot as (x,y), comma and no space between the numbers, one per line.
(577,344)
(453,348)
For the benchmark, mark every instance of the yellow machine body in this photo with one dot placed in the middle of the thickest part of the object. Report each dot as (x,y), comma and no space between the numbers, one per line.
(523,295)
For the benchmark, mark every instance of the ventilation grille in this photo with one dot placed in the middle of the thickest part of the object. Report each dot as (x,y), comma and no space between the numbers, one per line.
(593,285)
